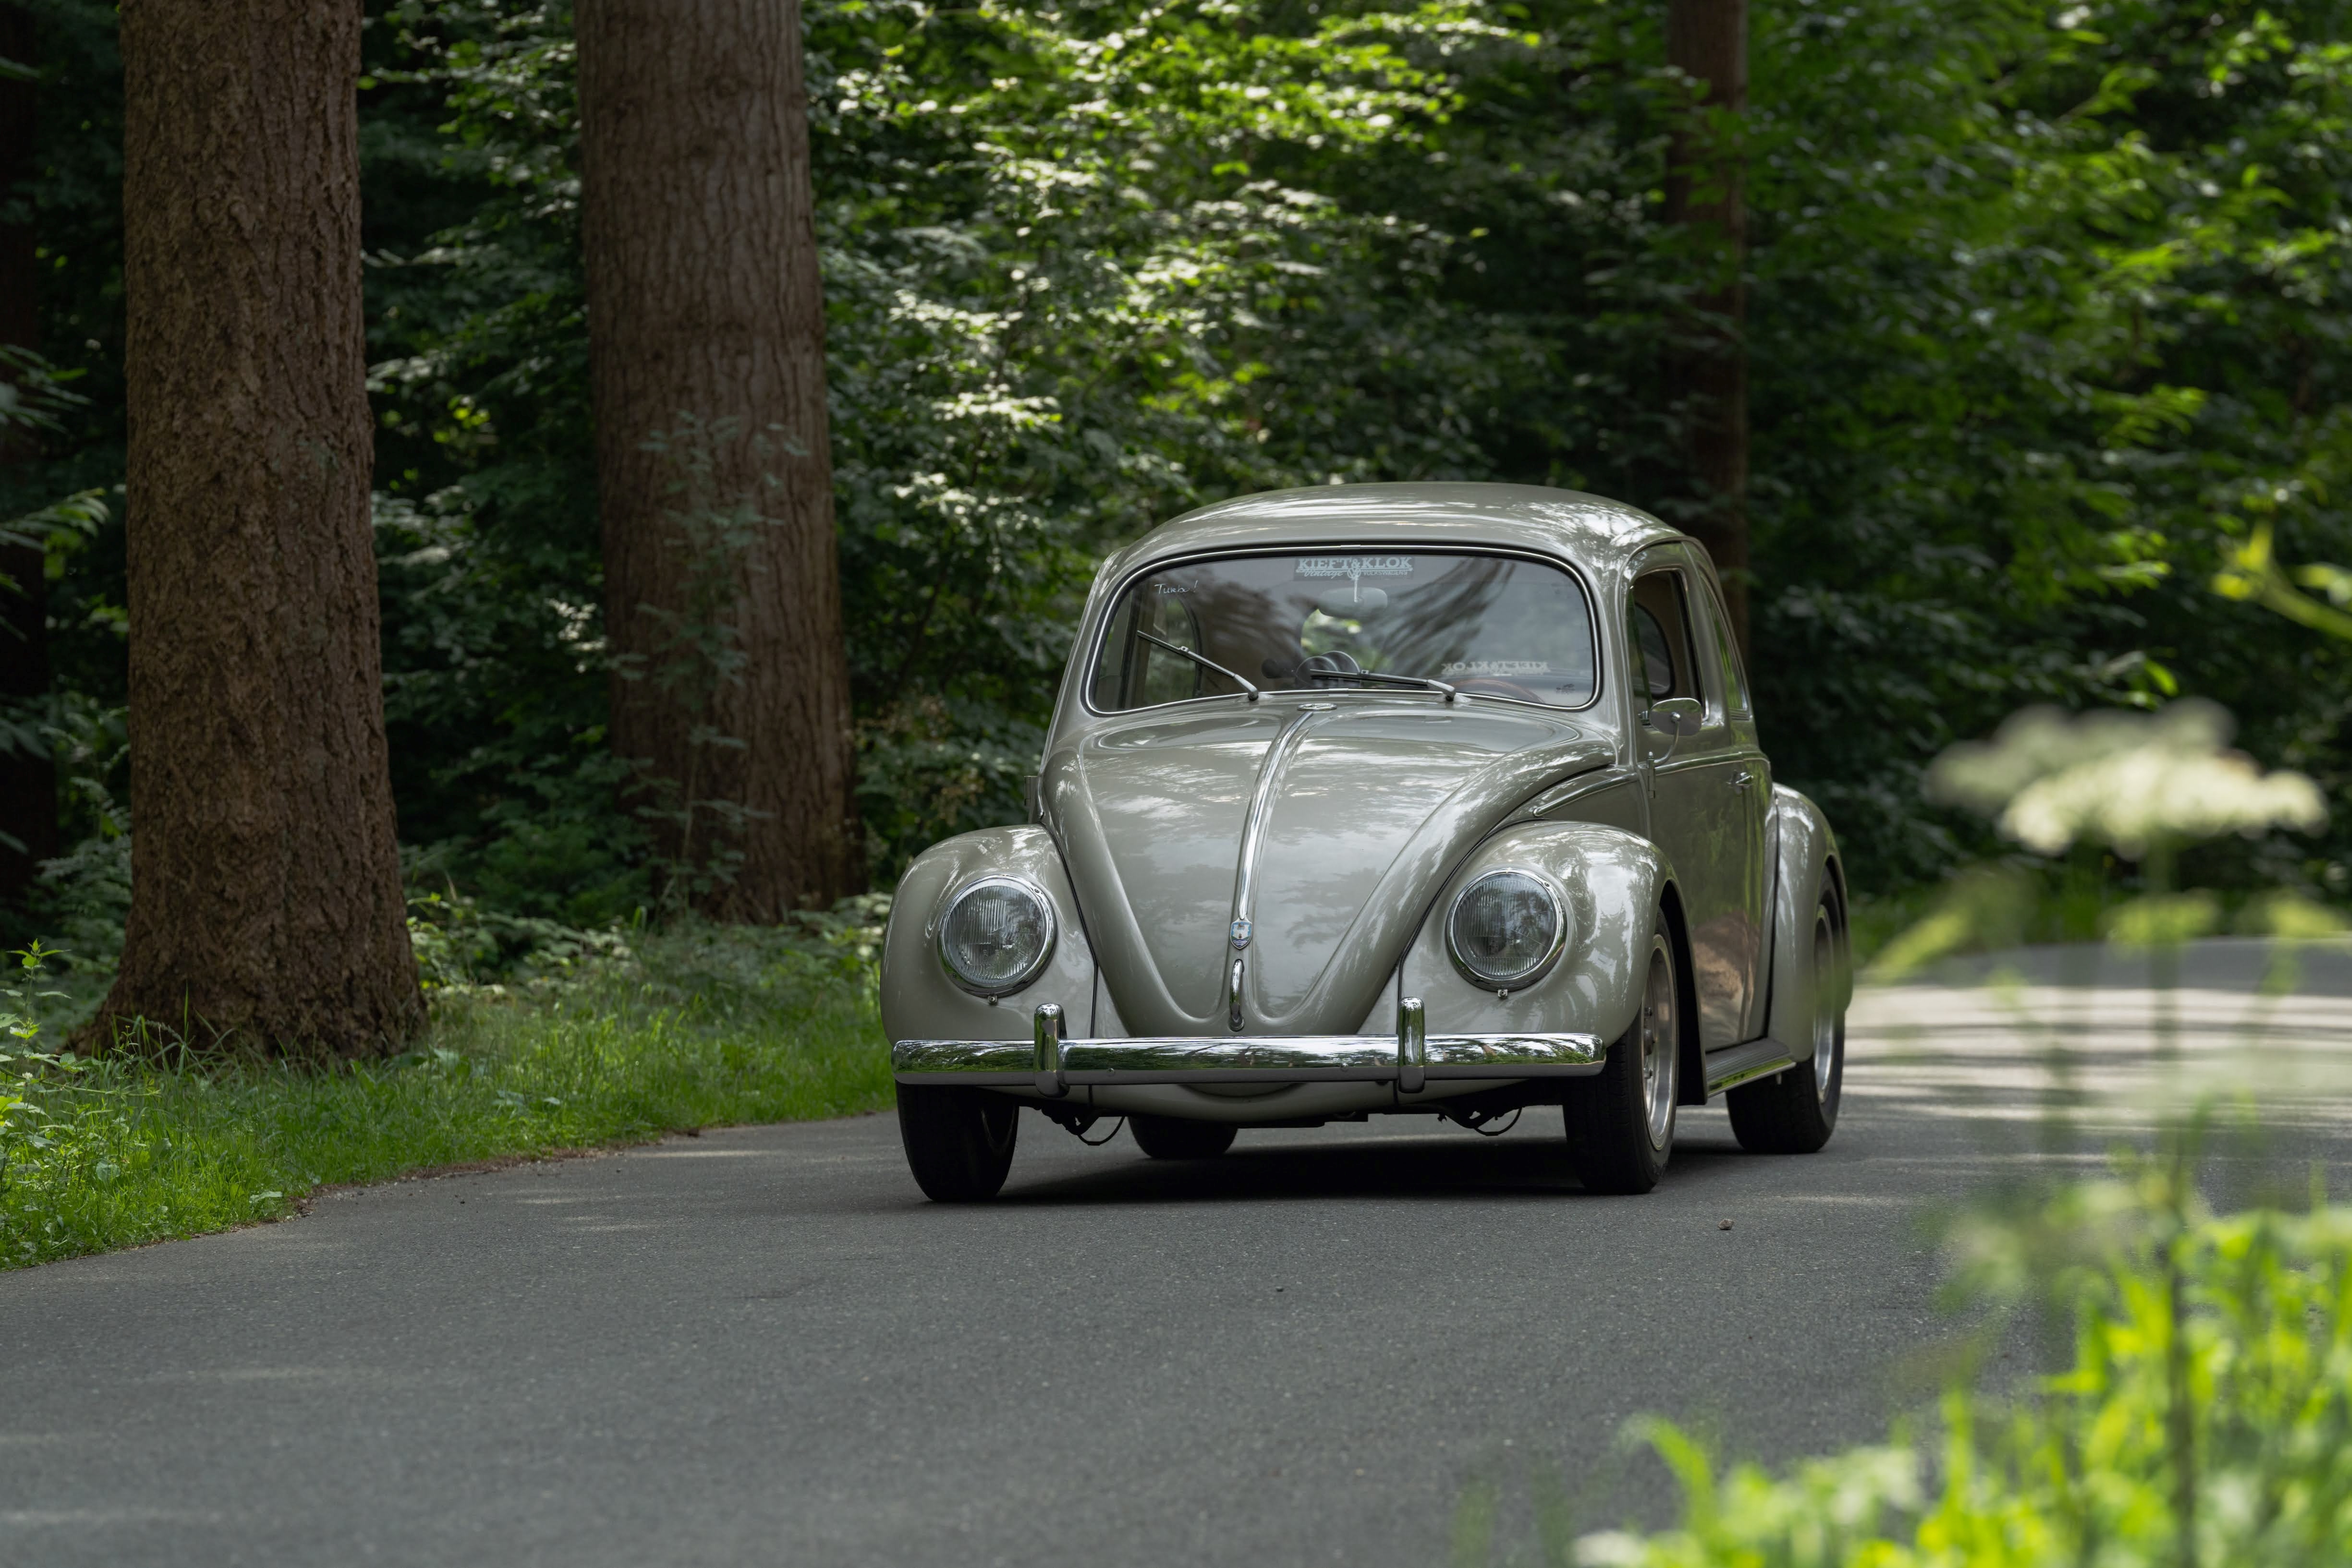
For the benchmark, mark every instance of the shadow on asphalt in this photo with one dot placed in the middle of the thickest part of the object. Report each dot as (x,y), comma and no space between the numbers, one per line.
(1385,1167)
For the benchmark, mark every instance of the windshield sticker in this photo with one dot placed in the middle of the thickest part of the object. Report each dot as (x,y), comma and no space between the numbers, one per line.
(1498,667)
(1355,565)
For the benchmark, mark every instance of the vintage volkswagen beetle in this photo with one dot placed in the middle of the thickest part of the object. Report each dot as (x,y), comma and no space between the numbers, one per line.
(1439,798)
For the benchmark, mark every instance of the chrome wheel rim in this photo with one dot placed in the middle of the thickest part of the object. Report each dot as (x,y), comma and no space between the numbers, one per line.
(1658,1053)
(1824,1013)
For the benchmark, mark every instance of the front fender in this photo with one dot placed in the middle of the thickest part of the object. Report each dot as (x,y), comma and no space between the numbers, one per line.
(1804,864)
(1613,880)
(920,1001)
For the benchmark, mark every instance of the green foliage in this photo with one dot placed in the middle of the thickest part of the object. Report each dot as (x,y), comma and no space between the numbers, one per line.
(2078,293)
(2045,321)
(605,1042)
(34,401)
(2251,1314)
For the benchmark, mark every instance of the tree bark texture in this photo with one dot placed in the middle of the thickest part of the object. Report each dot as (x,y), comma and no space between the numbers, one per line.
(266,906)
(28,783)
(1708,372)
(706,325)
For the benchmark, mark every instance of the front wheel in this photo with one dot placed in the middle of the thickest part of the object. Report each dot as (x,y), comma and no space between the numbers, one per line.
(1795,1112)
(1621,1123)
(958,1141)
(1180,1139)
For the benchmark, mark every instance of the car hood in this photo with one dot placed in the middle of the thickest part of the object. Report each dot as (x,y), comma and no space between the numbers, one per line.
(1367,806)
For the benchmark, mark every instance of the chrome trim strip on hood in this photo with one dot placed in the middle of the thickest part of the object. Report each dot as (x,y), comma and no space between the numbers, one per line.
(1269,776)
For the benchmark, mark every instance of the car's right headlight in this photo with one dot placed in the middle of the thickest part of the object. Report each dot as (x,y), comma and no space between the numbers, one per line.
(996,934)
(1506,929)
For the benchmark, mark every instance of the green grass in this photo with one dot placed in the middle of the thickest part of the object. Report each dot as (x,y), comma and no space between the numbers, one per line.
(699,1029)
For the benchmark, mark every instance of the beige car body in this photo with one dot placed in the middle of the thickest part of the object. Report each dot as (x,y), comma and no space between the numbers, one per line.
(1373,808)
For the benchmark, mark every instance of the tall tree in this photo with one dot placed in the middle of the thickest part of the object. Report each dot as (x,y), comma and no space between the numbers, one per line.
(28,785)
(1708,370)
(265,893)
(706,335)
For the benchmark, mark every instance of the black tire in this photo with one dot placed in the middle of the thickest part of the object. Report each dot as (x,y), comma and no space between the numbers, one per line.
(1795,1112)
(1178,1138)
(1621,1122)
(958,1141)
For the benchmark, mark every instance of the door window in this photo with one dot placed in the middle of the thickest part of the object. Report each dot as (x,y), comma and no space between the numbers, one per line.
(1665,661)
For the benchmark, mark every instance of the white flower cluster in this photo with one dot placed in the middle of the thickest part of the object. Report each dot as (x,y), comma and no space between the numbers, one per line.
(2125,779)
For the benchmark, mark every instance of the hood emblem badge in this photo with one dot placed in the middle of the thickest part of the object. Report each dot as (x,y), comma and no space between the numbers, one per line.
(1240,935)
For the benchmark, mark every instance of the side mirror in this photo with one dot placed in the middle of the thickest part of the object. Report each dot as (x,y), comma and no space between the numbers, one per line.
(1675,715)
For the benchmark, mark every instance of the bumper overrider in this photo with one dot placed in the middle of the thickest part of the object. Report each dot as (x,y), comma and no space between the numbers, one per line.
(1051,1064)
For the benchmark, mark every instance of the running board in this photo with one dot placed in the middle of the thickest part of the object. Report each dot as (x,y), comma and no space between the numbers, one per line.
(1736,1064)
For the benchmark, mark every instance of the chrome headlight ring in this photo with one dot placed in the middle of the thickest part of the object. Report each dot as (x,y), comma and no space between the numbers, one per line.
(996,934)
(1506,929)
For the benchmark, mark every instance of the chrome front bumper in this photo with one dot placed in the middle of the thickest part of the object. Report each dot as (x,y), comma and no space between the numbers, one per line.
(1050,1064)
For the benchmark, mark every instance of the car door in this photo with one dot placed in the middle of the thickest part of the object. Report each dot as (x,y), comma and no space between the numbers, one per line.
(1700,787)
(1750,786)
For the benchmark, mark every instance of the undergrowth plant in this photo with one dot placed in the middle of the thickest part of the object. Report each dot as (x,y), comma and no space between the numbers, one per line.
(613,1043)
(2103,1462)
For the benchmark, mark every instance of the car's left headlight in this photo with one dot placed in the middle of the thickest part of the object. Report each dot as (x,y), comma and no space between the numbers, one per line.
(1506,929)
(996,934)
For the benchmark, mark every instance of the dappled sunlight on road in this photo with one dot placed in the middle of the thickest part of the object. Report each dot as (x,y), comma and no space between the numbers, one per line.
(2017,1038)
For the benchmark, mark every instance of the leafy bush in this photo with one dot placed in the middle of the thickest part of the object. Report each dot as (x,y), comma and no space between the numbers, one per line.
(2206,1416)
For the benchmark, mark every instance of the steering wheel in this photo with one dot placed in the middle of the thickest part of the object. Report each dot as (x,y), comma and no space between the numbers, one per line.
(1334,664)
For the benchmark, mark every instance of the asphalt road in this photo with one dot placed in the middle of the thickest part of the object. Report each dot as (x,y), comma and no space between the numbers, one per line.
(762,1346)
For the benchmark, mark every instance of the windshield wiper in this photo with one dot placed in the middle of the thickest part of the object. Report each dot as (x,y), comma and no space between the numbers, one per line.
(1311,669)
(1424,681)
(1206,662)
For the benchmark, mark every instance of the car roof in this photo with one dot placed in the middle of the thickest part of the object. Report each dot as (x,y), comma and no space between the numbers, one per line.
(1591,529)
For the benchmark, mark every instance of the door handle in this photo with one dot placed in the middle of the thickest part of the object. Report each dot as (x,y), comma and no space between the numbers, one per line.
(1742,780)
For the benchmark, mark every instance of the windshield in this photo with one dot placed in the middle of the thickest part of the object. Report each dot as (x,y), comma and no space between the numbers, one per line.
(1486,625)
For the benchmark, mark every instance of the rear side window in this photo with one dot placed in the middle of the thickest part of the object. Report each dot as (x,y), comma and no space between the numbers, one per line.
(1727,653)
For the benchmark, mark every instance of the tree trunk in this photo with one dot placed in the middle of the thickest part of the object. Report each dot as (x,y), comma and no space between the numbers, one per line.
(1708,372)
(28,783)
(707,337)
(265,906)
